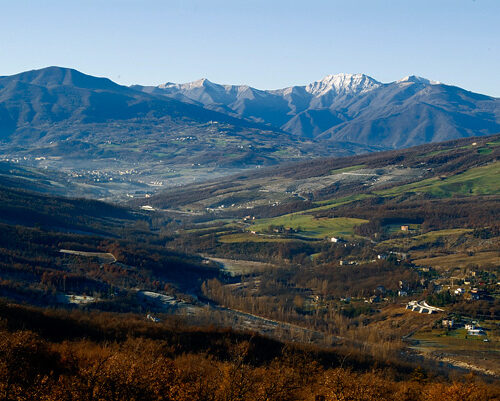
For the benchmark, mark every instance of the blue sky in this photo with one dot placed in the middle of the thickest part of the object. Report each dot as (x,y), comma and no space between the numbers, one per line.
(266,44)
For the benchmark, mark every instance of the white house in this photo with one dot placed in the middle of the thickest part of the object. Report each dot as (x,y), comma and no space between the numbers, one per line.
(152,318)
(476,332)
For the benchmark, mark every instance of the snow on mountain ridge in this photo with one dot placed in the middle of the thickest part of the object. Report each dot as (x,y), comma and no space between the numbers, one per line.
(342,84)
(417,79)
(202,82)
(334,84)
(339,84)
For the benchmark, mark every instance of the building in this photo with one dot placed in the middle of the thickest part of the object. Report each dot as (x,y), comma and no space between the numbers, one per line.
(400,255)
(405,228)
(448,323)
(152,318)
(476,332)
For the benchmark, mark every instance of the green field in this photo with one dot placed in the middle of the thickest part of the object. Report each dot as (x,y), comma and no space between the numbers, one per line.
(433,235)
(476,181)
(484,151)
(248,237)
(456,259)
(307,225)
(436,152)
(424,239)
(456,340)
(347,169)
(331,203)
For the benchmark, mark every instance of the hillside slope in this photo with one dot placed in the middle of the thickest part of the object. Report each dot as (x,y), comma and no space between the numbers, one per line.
(461,167)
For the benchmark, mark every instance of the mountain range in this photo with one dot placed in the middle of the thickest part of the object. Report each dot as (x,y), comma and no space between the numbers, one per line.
(38,100)
(352,107)
(60,112)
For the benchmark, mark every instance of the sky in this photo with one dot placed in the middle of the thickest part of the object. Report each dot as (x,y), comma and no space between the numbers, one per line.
(266,44)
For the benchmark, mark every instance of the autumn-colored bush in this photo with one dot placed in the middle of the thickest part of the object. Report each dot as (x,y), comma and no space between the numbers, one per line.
(123,358)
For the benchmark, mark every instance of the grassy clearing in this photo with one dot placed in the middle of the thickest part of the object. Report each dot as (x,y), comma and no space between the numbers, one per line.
(286,152)
(308,226)
(347,169)
(208,229)
(436,152)
(455,340)
(238,267)
(457,259)
(460,349)
(396,228)
(332,203)
(433,235)
(248,237)
(424,239)
(459,340)
(476,181)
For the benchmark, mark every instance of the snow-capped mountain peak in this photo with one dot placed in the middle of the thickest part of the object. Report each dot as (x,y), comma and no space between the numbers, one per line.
(203,82)
(342,84)
(417,79)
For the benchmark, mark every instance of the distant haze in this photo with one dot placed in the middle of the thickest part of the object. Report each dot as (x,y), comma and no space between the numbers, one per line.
(265,44)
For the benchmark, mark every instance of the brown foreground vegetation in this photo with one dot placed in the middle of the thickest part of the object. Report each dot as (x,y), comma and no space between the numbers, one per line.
(80,356)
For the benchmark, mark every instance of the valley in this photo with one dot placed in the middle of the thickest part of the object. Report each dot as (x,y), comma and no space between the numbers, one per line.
(324,252)
(249,201)
(112,141)
(215,235)
(329,261)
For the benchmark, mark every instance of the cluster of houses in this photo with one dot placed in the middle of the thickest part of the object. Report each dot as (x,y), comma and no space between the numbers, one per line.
(283,230)
(347,262)
(398,255)
(473,329)
(474,294)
